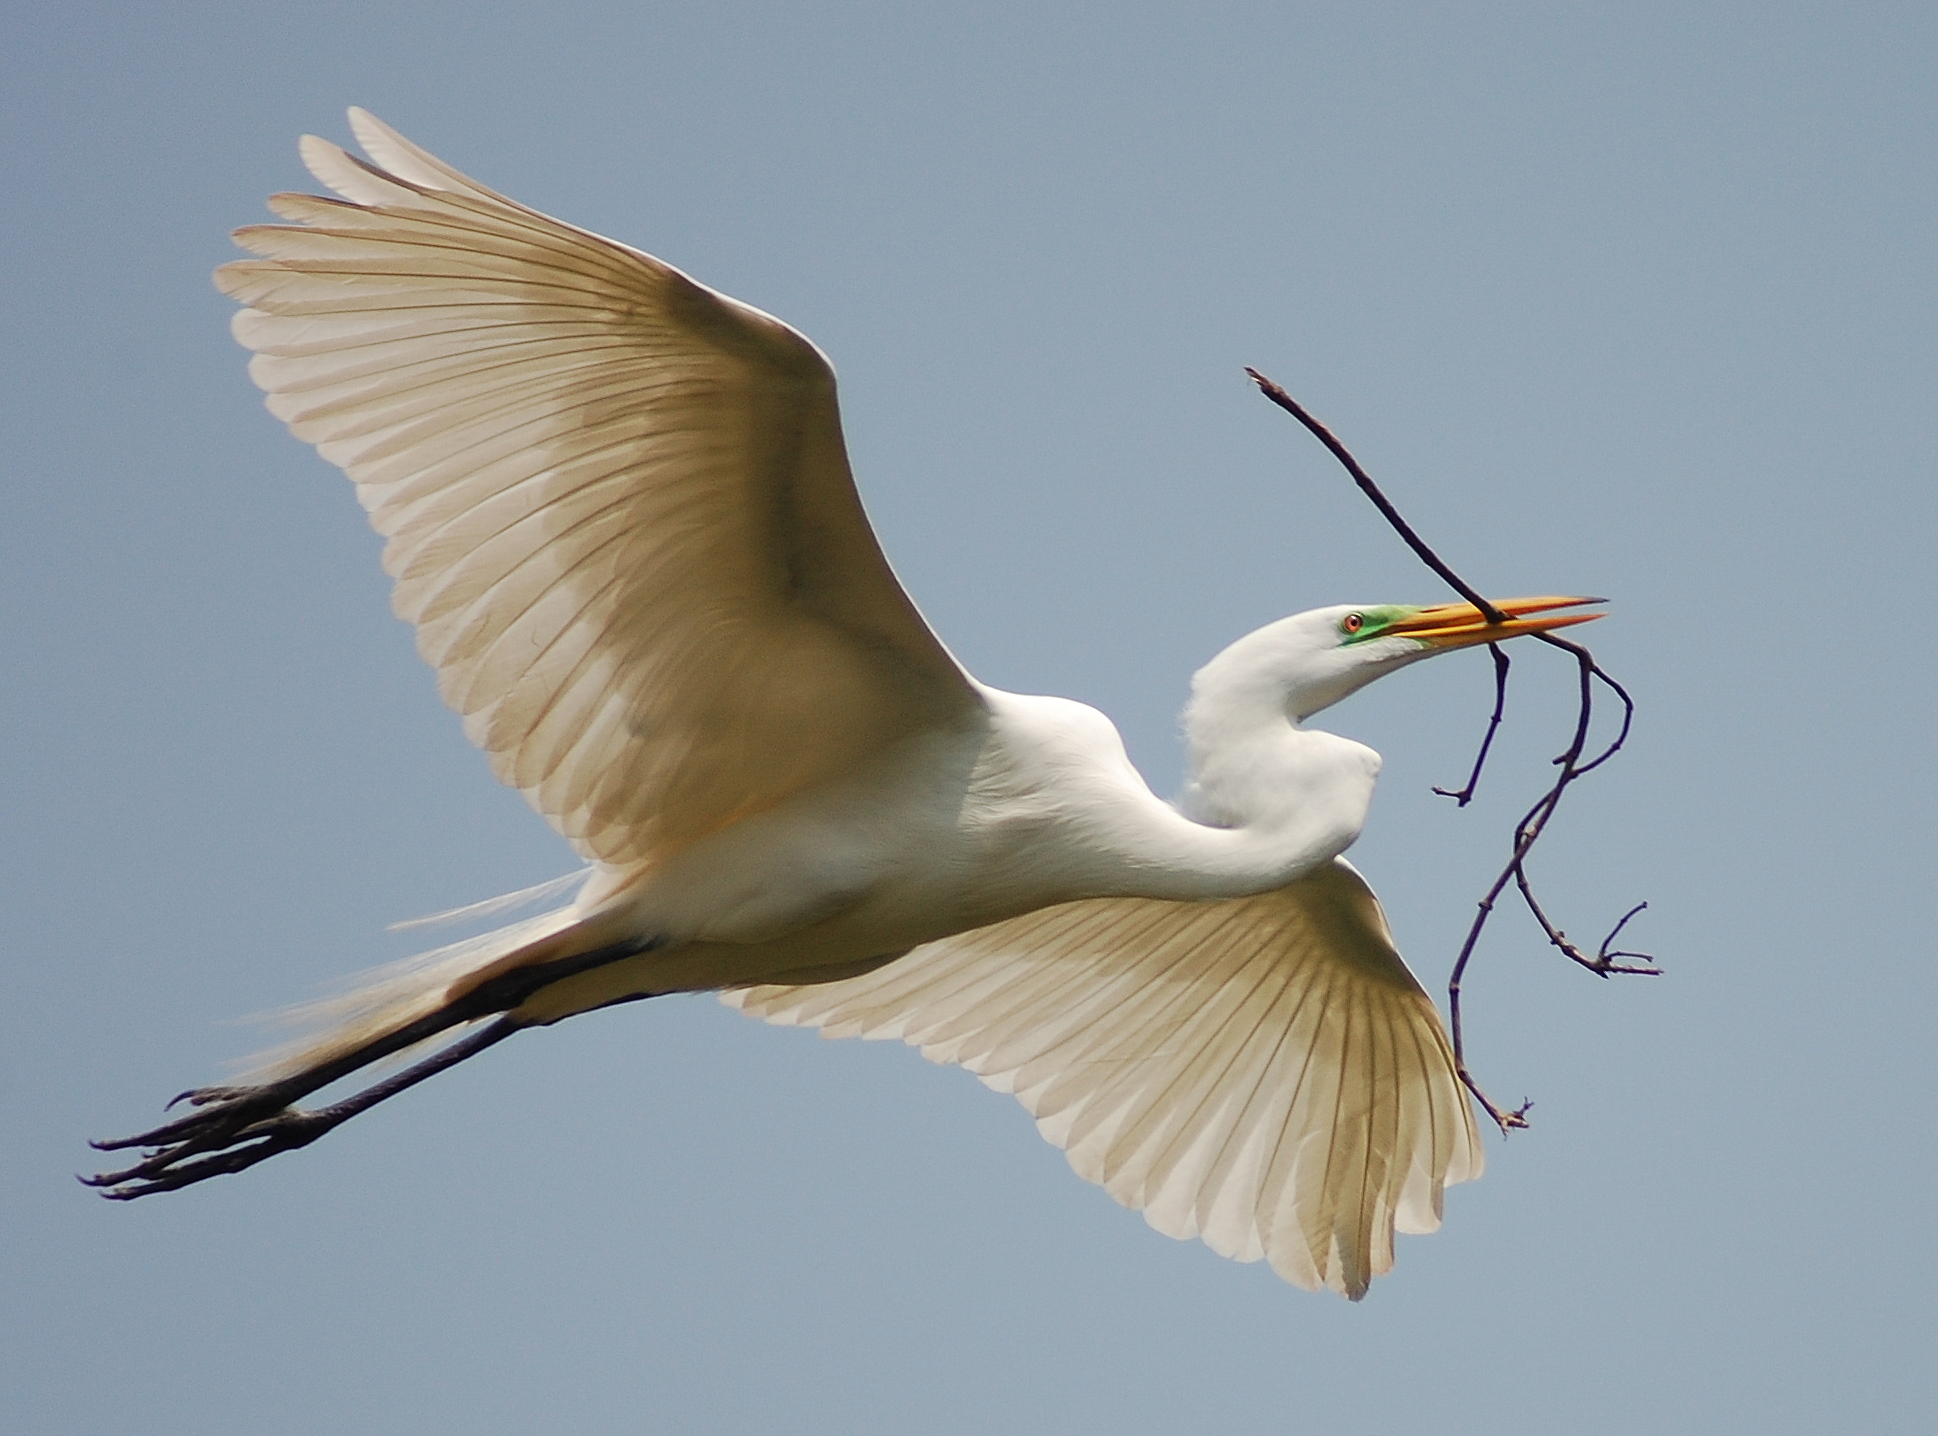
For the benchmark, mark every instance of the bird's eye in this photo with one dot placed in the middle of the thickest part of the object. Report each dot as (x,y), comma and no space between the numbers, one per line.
(1352,622)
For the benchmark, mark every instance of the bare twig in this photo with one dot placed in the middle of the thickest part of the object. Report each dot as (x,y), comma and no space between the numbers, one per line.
(1464,794)
(1372,491)
(1607,961)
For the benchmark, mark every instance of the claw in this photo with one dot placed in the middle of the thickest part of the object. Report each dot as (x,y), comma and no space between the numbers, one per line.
(240,1120)
(254,1142)
(244,1103)
(202,1096)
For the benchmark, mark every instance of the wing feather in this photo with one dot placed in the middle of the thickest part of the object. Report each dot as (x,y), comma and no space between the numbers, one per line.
(617,504)
(1263,1073)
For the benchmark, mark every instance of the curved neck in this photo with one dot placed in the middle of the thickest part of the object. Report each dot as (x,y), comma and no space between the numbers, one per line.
(1266,801)
(1290,797)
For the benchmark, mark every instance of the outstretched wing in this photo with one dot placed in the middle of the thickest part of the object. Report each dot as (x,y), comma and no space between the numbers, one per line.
(1262,1072)
(618,505)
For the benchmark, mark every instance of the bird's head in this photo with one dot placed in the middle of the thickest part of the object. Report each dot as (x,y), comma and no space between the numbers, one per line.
(1310,661)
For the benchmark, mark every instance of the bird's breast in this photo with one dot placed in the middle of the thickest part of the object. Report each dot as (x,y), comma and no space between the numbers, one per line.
(943,832)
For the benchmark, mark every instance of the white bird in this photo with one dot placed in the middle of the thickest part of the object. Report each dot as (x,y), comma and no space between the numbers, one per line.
(619,512)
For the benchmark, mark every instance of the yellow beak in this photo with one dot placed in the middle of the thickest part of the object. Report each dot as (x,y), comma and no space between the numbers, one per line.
(1458,625)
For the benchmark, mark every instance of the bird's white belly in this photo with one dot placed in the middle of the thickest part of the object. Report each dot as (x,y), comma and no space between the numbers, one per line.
(943,834)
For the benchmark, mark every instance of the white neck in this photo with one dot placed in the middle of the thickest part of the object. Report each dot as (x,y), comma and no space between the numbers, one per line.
(1266,800)
(1291,797)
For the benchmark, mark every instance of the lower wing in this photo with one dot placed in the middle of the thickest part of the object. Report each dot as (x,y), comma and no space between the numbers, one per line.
(1262,1072)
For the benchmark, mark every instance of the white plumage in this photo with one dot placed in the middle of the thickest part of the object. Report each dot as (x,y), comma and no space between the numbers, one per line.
(617,504)
(619,513)
(1262,1072)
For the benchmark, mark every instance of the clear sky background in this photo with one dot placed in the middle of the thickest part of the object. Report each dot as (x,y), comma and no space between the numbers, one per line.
(1634,300)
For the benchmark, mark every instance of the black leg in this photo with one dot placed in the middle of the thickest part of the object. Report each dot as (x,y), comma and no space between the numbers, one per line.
(241,1126)
(281,1131)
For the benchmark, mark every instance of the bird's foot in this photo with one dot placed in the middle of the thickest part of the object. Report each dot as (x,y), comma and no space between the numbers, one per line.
(234,1128)
(237,1128)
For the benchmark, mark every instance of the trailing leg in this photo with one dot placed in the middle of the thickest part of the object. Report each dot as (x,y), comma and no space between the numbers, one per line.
(237,1127)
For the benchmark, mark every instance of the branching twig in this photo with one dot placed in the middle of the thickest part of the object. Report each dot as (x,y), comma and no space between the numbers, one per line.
(1464,794)
(1607,961)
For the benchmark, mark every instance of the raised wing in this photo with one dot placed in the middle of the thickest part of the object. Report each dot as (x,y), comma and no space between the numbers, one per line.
(1262,1072)
(618,505)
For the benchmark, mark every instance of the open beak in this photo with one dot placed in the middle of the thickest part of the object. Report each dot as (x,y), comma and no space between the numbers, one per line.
(1458,625)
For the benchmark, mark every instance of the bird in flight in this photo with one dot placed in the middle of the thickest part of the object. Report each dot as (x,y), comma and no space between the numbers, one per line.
(619,511)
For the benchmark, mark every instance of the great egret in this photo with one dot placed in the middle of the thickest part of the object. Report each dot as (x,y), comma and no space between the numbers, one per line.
(620,514)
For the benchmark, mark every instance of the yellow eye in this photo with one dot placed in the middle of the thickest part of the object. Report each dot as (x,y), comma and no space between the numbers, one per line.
(1353,622)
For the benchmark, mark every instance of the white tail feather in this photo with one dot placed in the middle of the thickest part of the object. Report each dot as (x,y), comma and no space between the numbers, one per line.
(386,998)
(497,906)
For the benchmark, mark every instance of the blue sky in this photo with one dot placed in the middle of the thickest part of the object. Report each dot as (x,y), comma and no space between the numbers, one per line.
(1631,300)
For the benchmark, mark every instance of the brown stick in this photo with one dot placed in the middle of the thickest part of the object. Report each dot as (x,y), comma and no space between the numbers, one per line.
(1464,794)
(1372,491)
(1606,962)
